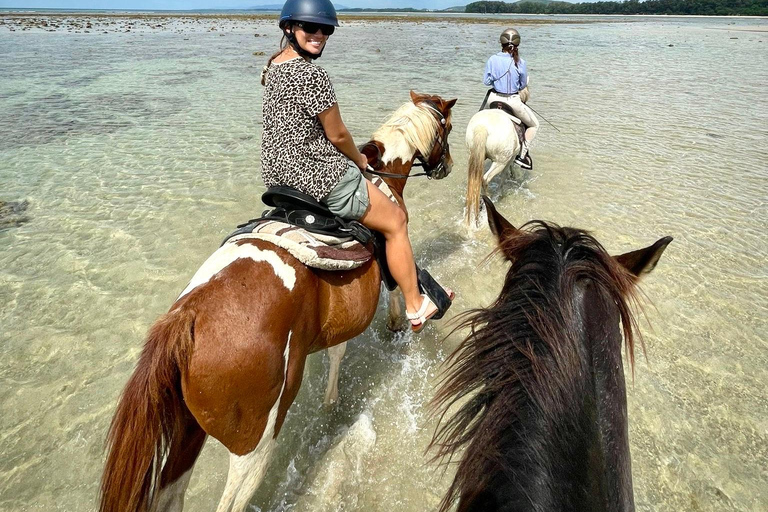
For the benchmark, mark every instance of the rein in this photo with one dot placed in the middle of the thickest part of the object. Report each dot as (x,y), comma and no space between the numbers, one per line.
(396,176)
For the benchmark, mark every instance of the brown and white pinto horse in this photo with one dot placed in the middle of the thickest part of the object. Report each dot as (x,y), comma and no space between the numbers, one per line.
(543,418)
(227,360)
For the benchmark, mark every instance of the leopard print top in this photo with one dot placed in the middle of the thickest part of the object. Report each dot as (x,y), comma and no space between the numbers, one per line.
(294,149)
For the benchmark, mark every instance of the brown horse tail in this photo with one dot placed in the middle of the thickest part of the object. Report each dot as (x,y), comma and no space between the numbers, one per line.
(148,417)
(475,173)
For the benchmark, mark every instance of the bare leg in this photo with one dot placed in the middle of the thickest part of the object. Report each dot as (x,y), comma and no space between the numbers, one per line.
(389,219)
(530,133)
(335,353)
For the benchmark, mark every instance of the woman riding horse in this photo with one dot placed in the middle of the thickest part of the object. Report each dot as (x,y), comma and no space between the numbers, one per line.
(306,145)
(507,73)
(227,360)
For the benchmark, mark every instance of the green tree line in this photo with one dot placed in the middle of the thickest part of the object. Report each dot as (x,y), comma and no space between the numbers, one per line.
(672,7)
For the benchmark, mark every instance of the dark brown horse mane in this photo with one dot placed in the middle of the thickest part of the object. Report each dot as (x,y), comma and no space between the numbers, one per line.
(521,353)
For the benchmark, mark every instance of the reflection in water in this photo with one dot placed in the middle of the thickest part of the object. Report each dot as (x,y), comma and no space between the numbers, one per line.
(139,151)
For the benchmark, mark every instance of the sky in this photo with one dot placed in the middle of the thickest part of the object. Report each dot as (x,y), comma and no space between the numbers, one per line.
(212,4)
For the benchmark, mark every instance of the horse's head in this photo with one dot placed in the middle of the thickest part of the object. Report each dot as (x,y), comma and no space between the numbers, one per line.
(580,258)
(545,425)
(438,162)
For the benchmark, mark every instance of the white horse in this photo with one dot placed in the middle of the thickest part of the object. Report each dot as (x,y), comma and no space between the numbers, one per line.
(493,134)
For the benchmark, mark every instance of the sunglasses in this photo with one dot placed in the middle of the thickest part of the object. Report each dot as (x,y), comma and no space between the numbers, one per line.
(312,28)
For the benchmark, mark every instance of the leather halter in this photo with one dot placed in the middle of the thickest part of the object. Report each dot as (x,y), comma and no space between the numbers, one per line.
(440,142)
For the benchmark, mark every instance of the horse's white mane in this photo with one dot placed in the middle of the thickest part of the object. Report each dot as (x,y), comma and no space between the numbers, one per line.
(416,125)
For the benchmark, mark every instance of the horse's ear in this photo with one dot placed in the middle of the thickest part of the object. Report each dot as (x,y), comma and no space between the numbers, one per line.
(414,97)
(643,261)
(500,226)
(450,103)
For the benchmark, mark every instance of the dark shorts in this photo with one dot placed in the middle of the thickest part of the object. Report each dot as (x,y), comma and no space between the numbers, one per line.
(349,199)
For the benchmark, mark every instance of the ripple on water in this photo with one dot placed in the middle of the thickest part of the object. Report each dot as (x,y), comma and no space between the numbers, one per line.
(139,153)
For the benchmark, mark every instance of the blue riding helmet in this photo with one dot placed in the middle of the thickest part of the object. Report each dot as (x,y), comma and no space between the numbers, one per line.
(313,11)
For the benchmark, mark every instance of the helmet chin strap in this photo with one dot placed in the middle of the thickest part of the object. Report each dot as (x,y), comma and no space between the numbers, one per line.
(297,47)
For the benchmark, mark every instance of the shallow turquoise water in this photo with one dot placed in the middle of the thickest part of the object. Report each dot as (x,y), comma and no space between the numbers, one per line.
(139,151)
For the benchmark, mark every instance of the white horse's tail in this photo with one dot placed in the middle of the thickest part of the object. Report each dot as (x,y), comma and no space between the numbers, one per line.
(475,173)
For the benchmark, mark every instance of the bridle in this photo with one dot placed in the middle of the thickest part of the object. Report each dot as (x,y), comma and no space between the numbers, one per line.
(438,152)
(439,147)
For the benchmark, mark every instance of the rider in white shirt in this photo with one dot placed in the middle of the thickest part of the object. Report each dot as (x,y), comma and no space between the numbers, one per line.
(506,72)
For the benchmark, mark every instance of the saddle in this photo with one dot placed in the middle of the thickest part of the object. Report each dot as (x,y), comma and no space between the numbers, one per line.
(307,229)
(507,109)
(302,210)
(294,211)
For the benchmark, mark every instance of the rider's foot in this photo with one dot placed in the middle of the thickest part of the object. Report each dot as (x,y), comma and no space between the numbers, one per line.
(524,159)
(427,310)
(525,162)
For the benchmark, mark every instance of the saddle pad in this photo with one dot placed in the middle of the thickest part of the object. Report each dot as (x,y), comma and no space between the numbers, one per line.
(313,249)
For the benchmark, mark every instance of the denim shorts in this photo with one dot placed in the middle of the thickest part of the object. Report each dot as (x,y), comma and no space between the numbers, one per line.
(349,199)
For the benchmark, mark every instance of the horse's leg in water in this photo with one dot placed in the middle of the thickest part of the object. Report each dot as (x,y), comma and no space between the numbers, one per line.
(335,353)
(245,474)
(395,319)
(177,469)
(518,175)
(246,471)
(495,169)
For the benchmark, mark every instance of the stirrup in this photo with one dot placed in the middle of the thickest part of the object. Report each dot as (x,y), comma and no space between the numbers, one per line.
(435,292)
(525,163)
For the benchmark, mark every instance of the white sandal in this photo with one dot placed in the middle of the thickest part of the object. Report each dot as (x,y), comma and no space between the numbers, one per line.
(420,314)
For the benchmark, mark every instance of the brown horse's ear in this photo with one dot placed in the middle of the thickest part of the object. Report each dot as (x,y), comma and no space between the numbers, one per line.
(500,226)
(643,261)
(450,103)
(415,97)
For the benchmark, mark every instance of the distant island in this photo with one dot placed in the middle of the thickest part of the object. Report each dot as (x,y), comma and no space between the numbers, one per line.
(383,9)
(668,7)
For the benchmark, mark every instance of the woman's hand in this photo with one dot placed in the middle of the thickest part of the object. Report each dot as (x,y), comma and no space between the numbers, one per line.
(362,162)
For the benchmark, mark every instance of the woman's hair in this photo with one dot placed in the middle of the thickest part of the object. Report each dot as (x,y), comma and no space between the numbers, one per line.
(510,48)
(283,45)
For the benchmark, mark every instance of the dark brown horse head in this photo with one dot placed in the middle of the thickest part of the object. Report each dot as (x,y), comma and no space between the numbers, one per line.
(539,380)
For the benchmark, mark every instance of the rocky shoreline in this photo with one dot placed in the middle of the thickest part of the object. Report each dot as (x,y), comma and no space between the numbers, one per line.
(104,23)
